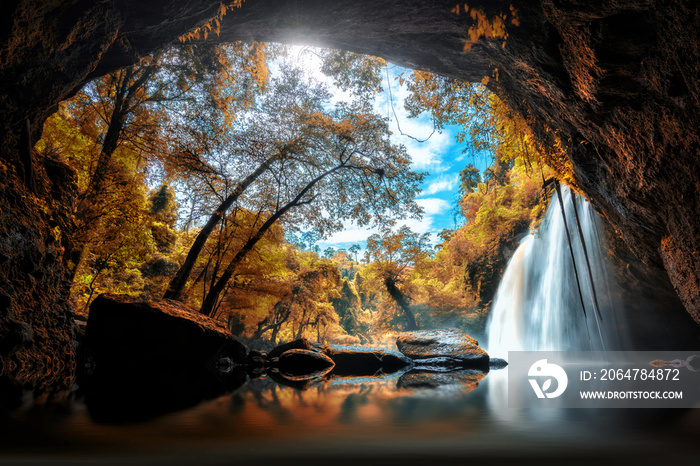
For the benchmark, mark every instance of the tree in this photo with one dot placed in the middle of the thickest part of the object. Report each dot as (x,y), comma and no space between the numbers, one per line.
(338,164)
(351,317)
(354,250)
(306,304)
(391,254)
(469,179)
(152,118)
(177,284)
(147,114)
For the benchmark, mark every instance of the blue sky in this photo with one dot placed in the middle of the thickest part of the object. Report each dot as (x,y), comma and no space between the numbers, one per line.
(440,156)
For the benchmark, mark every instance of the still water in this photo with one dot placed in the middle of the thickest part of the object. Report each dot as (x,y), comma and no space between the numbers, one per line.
(388,420)
(406,418)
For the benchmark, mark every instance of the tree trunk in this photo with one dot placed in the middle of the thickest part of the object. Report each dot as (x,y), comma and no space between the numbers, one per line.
(401,300)
(213,296)
(177,284)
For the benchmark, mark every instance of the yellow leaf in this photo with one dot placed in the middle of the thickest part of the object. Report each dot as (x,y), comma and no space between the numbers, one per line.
(485,80)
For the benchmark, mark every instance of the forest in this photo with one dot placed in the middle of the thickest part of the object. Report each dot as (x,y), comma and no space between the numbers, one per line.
(208,173)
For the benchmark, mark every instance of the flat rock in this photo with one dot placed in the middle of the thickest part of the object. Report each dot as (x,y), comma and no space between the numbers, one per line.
(446,347)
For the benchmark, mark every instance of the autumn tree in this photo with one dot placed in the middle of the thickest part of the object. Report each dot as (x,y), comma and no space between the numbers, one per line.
(392,254)
(354,250)
(355,320)
(306,305)
(148,120)
(337,164)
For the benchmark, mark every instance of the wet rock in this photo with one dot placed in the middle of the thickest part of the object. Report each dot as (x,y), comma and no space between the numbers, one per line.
(357,361)
(301,343)
(256,359)
(153,357)
(449,348)
(124,331)
(302,364)
(256,363)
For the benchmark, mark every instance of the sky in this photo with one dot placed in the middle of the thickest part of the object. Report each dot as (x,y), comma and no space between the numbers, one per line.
(440,156)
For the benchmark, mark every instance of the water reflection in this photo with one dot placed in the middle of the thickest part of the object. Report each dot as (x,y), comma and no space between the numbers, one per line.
(433,413)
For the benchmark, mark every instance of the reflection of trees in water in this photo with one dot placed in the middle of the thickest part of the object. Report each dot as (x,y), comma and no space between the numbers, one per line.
(352,402)
(262,393)
(348,402)
(457,399)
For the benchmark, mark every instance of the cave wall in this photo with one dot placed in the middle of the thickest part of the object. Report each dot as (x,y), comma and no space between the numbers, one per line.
(616,81)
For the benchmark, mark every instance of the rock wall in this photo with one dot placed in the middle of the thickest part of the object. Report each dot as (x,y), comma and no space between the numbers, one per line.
(37,336)
(617,82)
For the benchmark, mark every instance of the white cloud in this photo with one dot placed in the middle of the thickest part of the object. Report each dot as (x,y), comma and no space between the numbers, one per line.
(417,226)
(433,205)
(443,183)
(351,235)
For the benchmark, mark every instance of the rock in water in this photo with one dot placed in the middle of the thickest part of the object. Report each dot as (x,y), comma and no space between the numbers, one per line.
(125,331)
(301,364)
(451,345)
(359,361)
(299,343)
(154,357)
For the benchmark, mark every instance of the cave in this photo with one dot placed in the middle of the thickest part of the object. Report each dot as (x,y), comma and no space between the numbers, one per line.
(616,83)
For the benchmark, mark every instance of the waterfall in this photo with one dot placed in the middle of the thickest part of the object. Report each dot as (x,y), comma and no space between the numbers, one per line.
(537,306)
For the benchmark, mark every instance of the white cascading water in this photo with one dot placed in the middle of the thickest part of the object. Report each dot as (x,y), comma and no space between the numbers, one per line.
(537,306)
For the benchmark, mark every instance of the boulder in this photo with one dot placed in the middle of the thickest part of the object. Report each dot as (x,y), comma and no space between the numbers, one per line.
(126,331)
(148,358)
(446,347)
(300,343)
(302,364)
(358,361)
